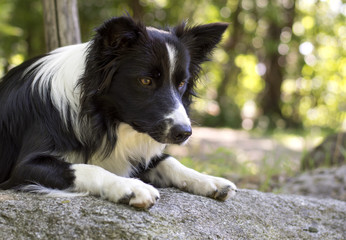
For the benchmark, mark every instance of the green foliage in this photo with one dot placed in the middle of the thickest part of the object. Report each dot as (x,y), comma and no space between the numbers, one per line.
(307,38)
(265,175)
(222,162)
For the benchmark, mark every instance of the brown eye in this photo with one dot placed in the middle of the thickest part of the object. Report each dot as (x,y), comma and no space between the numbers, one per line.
(145,81)
(181,84)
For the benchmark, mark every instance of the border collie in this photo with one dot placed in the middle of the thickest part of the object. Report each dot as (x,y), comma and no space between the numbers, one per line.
(95,118)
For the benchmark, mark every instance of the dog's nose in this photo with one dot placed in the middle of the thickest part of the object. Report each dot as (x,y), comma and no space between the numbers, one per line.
(180,133)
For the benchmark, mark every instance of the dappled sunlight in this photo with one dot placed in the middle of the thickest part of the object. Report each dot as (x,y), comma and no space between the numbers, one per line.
(281,65)
(250,161)
(288,57)
(248,147)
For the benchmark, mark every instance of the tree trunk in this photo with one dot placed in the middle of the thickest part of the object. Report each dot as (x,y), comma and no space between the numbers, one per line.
(137,9)
(270,97)
(61,23)
(229,111)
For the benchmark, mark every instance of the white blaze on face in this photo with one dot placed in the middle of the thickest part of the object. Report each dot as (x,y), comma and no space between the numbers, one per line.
(172,55)
(179,114)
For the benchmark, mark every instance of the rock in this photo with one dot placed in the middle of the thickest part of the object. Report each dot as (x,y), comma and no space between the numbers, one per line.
(331,152)
(178,215)
(320,182)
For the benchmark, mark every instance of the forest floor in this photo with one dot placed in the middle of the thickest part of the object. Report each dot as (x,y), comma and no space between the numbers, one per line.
(251,160)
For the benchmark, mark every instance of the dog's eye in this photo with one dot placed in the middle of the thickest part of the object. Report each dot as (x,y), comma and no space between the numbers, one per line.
(145,81)
(181,84)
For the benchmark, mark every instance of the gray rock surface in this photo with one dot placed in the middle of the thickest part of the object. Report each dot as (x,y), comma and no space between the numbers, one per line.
(178,215)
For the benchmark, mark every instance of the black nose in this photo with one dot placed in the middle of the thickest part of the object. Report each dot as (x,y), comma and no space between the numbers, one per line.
(179,133)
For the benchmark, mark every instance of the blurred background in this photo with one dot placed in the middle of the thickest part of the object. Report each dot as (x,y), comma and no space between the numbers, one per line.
(274,90)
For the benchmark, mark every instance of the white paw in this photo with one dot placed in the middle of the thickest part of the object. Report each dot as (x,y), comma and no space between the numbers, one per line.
(214,187)
(97,181)
(132,192)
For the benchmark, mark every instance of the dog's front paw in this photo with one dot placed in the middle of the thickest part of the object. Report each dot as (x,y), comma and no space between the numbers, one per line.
(133,192)
(222,189)
(209,186)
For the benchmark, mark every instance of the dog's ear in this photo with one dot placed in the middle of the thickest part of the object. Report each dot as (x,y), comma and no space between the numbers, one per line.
(120,32)
(200,40)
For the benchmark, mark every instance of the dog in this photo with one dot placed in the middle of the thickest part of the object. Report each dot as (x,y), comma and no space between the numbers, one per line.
(95,118)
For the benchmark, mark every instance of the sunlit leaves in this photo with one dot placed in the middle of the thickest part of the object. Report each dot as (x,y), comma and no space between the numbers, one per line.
(249,79)
(312,52)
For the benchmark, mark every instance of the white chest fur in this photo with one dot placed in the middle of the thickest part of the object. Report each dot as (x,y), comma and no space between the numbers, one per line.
(131,149)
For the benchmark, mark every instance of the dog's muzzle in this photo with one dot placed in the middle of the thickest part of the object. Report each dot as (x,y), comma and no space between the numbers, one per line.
(178,134)
(169,133)
(174,128)
(179,126)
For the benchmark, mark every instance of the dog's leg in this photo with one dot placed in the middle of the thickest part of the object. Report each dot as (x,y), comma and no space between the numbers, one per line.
(40,169)
(170,172)
(47,173)
(98,181)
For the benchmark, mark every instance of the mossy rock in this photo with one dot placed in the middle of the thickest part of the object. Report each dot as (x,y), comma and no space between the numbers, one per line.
(331,152)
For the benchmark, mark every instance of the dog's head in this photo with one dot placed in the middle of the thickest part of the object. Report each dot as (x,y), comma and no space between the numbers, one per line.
(145,77)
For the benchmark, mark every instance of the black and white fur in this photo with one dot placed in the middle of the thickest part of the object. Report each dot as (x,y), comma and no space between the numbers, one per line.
(96,117)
